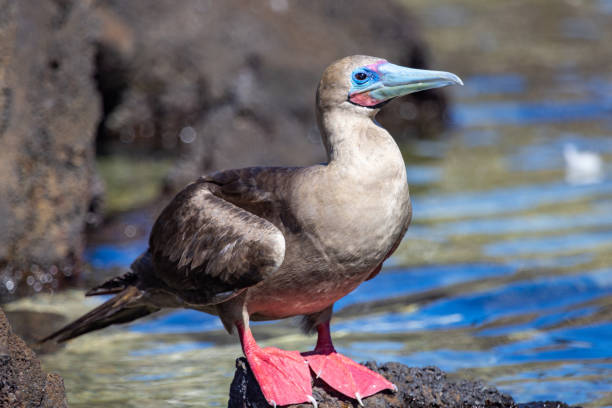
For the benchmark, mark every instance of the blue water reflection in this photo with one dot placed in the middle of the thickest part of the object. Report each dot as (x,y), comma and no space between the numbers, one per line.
(529,113)
(477,138)
(500,201)
(399,282)
(548,154)
(605,6)
(179,321)
(171,348)
(493,84)
(111,256)
(564,345)
(543,296)
(576,391)
(420,175)
(554,244)
(598,217)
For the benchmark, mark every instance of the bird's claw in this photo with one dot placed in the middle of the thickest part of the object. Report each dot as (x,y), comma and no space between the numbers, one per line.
(395,388)
(313,401)
(272,402)
(358,398)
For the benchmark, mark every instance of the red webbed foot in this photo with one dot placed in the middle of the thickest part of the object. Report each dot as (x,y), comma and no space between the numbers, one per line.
(283,376)
(341,373)
(346,376)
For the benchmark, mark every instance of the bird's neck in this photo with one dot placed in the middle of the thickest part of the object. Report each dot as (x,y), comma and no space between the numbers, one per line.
(355,140)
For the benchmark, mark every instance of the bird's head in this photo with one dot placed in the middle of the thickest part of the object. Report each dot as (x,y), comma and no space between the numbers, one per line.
(365,83)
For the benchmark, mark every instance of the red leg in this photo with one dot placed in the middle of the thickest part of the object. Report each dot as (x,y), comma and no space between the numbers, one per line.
(340,372)
(283,376)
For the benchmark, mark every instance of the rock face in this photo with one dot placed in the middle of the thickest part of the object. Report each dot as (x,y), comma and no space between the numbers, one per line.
(49,110)
(234,82)
(417,388)
(22,381)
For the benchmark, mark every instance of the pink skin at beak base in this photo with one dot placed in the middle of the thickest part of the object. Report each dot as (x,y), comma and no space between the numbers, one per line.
(364,98)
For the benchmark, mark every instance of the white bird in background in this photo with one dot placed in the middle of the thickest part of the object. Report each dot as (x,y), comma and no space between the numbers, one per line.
(582,167)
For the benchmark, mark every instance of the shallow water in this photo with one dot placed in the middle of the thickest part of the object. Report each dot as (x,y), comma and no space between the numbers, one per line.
(505,274)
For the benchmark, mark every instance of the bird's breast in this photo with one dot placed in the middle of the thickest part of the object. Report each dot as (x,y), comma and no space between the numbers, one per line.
(329,258)
(361,215)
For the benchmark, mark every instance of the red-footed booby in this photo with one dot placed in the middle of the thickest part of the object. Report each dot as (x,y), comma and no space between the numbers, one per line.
(267,243)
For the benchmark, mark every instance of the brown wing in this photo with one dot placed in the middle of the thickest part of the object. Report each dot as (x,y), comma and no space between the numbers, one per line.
(205,248)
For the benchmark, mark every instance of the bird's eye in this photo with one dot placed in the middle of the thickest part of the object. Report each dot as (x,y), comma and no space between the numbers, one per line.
(360,76)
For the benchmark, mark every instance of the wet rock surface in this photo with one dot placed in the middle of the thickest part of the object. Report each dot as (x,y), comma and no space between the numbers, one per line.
(49,110)
(232,83)
(426,387)
(22,381)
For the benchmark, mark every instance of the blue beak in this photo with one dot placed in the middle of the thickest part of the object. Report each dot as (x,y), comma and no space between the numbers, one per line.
(397,81)
(381,81)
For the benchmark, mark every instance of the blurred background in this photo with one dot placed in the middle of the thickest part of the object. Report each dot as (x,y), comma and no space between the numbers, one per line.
(107,108)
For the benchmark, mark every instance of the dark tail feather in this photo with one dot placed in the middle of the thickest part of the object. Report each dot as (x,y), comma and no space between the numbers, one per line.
(115,285)
(142,264)
(123,308)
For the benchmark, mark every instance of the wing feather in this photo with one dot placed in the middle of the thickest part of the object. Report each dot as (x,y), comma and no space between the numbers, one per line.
(204,244)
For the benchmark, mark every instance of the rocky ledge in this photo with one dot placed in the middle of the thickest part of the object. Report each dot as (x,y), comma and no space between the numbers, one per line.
(417,388)
(23,383)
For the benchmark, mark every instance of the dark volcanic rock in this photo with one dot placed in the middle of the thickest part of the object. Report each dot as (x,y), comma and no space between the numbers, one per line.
(417,388)
(32,325)
(234,82)
(49,110)
(22,381)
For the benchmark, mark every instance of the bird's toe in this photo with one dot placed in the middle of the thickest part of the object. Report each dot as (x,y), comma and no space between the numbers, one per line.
(346,376)
(283,376)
